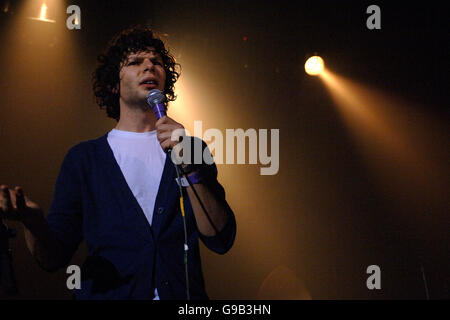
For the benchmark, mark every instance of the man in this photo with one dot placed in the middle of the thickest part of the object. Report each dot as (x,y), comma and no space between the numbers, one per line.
(119,192)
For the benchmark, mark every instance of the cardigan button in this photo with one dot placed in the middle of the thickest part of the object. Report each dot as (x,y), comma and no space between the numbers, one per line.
(160,210)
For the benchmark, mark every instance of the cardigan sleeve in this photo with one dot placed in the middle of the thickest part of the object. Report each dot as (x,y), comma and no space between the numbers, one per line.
(65,215)
(223,241)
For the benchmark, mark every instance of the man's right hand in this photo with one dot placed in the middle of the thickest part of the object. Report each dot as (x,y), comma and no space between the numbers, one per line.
(14,205)
(38,237)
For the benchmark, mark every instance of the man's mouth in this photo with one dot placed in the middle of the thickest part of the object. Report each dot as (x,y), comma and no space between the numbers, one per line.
(149,83)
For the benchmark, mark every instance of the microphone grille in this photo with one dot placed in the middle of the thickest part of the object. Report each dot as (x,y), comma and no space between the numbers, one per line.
(155,96)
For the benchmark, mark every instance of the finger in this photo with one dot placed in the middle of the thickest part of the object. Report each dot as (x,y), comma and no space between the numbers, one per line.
(161,121)
(7,205)
(20,199)
(168,144)
(2,199)
(3,188)
(178,134)
(166,123)
(171,131)
(163,127)
(169,138)
(162,136)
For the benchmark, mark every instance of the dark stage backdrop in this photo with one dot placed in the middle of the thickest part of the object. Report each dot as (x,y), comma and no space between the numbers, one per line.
(314,227)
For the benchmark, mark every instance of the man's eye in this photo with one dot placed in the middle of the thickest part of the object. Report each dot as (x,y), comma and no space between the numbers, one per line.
(132,62)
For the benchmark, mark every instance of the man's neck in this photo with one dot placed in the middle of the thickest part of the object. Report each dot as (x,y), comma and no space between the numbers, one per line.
(136,120)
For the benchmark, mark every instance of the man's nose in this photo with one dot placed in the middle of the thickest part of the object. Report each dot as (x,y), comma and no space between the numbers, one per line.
(148,65)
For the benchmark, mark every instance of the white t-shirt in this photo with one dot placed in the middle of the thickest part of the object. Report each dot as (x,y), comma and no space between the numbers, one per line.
(141,160)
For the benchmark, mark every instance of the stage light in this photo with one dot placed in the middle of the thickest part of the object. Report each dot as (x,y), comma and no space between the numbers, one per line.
(314,66)
(6,7)
(43,15)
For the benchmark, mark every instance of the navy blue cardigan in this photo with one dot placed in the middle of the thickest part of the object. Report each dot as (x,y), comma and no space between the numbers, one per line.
(128,258)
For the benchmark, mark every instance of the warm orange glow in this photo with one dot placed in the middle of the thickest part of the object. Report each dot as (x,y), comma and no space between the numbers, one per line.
(43,15)
(314,66)
(283,284)
(389,132)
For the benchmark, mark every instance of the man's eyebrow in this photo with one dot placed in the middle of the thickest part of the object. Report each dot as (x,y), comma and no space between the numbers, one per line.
(156,56)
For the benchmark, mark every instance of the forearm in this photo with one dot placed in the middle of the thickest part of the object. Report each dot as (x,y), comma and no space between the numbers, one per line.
(216,210)
(41,243)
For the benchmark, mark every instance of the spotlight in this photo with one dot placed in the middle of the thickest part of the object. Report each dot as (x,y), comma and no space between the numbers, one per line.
(6,7)
(314,66)
(43,15)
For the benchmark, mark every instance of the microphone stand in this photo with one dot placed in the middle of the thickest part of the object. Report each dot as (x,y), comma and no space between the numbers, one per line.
(7,278)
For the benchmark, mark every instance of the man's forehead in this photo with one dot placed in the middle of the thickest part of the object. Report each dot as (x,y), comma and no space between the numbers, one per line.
(150,52)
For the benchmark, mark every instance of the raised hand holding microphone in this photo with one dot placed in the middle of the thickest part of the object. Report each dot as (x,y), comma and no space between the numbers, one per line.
(165,126)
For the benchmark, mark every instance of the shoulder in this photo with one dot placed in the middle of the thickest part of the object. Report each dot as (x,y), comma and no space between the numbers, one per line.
(86,148)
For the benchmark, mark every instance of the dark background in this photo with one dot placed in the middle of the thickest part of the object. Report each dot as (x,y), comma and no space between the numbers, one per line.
(324,216)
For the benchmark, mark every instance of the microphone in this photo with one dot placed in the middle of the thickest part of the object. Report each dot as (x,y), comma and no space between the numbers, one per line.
(155,99)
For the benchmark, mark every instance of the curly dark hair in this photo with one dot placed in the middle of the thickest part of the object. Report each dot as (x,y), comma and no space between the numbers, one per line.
(106,76)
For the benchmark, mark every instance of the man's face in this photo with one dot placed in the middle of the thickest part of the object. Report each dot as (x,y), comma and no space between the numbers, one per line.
(141,72)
